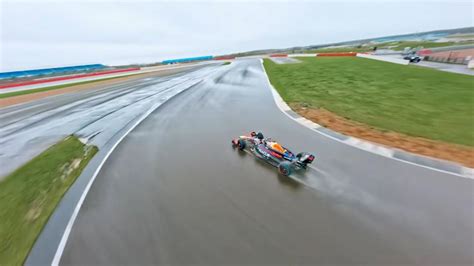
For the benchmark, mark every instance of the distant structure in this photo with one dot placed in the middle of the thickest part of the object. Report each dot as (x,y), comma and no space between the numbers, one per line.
(189,59)
(50,71)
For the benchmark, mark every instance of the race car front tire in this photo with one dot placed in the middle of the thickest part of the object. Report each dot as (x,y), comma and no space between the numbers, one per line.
(241,144)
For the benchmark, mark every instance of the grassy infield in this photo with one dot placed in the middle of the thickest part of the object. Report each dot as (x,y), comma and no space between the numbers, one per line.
(397,46)
(29,195)
(413,100)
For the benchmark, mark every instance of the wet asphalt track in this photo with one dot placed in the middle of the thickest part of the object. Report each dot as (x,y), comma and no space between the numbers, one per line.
(96,114)
(175,192)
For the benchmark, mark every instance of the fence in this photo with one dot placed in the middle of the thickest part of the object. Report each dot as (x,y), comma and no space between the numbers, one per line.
(453,57)
(49,71)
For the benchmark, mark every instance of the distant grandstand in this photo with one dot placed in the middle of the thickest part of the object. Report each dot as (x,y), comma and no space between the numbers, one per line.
(50,71)
(189,59)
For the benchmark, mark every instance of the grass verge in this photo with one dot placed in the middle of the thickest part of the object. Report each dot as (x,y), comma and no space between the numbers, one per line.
(341,50)
(413,100)
(17,93)
(29,195)
(395,45)
(226,63)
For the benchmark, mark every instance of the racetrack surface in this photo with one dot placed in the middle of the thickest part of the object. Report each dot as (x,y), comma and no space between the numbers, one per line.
(95,115)
(175,192)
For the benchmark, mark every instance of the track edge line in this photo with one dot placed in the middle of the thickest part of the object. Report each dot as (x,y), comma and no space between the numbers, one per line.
(72,219)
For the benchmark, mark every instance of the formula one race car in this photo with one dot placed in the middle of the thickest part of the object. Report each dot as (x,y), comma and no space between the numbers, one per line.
(273,153)
(413,58)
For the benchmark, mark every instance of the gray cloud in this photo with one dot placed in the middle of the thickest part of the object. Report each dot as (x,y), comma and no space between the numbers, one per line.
(35,34)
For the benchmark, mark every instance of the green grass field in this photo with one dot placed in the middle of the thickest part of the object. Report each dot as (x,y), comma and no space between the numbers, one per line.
(341,50)
(29,195)
(413,100)
(456,36)
(396,45)
(426,44)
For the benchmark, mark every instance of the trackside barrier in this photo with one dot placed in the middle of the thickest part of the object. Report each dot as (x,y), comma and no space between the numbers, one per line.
(225,57)
(338,54)
(424,52)
(302,55)
(470,64)
(188,59)
(385,59)
(48,71)
(279,55)
(31,82)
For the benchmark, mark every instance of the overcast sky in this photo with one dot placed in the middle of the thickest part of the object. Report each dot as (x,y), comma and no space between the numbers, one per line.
(36,34)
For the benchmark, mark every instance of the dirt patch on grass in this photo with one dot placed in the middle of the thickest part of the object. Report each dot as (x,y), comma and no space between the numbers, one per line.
(36,208)
(75,88)
(431,148)
(68,168)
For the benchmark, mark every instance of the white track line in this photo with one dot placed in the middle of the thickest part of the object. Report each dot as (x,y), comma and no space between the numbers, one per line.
(67,231)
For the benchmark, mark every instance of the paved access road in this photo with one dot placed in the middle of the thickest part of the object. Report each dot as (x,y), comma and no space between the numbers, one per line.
(454,68)
(175,192)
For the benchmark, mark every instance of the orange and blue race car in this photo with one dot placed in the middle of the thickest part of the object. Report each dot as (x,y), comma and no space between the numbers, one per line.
(273,153)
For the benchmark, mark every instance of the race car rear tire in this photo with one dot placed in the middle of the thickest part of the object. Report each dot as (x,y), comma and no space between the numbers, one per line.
(242,144)
(300,163)
(285,168)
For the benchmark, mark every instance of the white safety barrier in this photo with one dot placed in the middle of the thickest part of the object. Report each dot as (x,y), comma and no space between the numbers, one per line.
(384,58)
(470,64)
